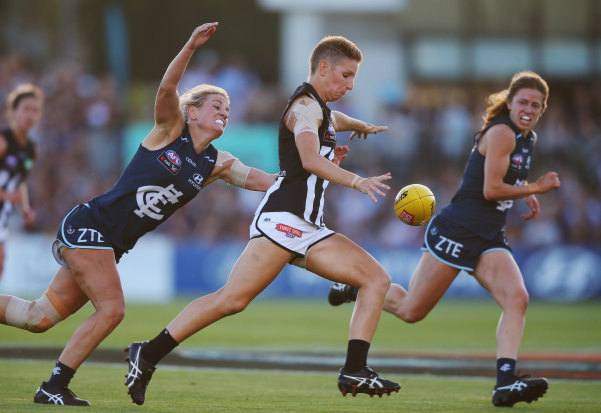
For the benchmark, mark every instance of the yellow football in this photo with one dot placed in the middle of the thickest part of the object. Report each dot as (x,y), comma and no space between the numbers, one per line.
(415,204)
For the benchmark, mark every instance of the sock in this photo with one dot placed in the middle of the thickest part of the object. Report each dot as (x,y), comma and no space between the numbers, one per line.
(61,375)
(159,347)
(356,355)
(505,371)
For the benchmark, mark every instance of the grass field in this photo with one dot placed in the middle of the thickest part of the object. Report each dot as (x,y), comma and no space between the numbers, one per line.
(295,325)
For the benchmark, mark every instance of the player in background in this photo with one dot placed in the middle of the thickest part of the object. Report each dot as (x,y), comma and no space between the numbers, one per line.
(289,228)
(469,233)
(172,164)
(24,106)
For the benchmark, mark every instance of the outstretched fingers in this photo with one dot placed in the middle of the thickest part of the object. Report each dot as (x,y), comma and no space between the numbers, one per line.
(202,33)
(375,185)
(369,128)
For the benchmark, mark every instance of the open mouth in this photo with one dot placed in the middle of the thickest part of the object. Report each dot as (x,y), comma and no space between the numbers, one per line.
(526,118)
(219,122)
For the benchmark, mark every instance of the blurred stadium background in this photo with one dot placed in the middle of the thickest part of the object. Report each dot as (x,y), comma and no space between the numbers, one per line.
(428,64)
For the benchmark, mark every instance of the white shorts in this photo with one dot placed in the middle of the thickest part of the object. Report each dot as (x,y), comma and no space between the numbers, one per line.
(288,231)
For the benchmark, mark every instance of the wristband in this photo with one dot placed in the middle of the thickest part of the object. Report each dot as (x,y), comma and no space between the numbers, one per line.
(354,182)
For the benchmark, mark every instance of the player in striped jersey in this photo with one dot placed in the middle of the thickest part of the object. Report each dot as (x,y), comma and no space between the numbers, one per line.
(18,152)
(289,227)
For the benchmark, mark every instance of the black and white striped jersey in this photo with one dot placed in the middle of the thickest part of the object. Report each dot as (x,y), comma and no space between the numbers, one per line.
(14,168)
(296,190)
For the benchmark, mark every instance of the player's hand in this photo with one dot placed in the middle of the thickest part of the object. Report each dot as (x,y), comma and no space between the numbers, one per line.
(339,154)
(548,181)
(534,206)
(367,129)
(374,185)
(201,34)
(28,217)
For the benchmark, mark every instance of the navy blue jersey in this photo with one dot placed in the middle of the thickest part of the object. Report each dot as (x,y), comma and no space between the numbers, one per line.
(468,207)
(14,165)
(297,190)
(152,187)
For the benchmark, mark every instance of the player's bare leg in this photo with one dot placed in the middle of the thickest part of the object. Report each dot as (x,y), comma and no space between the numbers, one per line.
(255,269)
(95,272)
(63,294)
(430,280)
(339,259)
(498,272)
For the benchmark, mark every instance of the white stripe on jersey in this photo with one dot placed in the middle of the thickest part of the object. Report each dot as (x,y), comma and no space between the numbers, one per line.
(311,182)
(271,189)
(327,153)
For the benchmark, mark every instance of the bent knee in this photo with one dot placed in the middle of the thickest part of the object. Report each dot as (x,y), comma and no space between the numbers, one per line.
(375,279)
(113,314)
(235,306)
(37,316)
(412,316)
(515,299)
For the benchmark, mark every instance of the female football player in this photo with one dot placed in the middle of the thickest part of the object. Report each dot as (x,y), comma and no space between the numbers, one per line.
(469,233)
(289,228)
(24,106)
(173,163)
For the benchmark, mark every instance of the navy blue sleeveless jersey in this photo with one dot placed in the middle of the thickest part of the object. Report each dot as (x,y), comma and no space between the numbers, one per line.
(152,187)
(468,207)
(15,164)
(296,190)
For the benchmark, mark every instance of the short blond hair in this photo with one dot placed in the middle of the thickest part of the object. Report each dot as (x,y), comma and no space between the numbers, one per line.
(197,95)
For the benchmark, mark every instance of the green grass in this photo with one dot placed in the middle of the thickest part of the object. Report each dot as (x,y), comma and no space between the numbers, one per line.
(208,390)
(315,326)
(267,324)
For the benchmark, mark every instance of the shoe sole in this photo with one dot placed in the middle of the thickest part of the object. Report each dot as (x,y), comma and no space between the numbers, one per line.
(349,388)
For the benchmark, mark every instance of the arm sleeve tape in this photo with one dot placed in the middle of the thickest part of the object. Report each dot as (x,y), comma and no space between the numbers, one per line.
(239,171)
(307,117)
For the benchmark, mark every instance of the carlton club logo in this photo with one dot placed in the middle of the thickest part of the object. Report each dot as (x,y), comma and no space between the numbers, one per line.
(290,231)
(150,198)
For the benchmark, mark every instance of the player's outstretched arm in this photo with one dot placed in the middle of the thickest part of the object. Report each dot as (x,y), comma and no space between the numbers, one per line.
(166,107)
(229,169)
(361,129)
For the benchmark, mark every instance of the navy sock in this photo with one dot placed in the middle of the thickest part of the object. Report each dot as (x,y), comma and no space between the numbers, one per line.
(159,347)
(505,371)
(356,355)
(61,375)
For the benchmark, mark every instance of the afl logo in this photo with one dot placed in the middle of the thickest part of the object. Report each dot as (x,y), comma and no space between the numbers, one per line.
(517,158)
(173,157)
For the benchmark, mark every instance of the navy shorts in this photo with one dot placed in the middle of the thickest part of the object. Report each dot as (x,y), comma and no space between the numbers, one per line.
(79,229)
(459,247)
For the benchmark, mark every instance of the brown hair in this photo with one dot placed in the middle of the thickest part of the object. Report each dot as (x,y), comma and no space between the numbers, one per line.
(334,49)
(497,102)
(197,95)
(24,90)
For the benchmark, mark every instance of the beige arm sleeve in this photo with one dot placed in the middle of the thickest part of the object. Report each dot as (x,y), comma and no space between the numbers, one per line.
(239,171)
(307,117)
